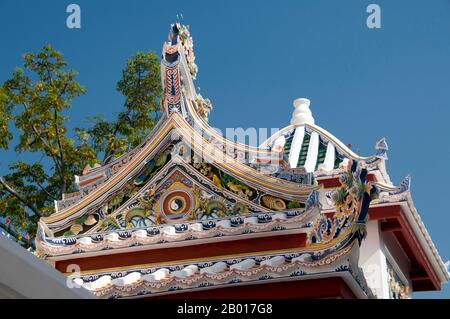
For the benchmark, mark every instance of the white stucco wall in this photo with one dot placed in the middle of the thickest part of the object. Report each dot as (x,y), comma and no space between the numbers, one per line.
(23,275)
(372,260)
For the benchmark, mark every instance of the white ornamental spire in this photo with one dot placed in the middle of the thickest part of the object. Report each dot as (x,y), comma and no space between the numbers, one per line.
(302,114)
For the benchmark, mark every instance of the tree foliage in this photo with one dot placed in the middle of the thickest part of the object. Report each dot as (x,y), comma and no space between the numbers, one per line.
(35,104)
(141,87)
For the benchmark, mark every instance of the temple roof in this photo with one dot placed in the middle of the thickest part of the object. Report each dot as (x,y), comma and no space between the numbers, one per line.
(239,270)
(311,148)
(185,184)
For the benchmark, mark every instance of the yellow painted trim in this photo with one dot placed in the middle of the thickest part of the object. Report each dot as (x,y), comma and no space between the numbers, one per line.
(116,178)
(208,128)
(386,186)
(244,171)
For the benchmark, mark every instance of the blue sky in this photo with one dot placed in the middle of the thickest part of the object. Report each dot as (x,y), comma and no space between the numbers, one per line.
(256,57)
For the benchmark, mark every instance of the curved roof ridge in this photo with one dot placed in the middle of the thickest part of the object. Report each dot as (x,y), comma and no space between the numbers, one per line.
(175,121)
(423,230)
(210,130)
(323,133)
(337,142)
(159,123)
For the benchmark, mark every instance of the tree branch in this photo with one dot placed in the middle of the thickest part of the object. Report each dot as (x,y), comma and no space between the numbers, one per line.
(22,199)
(108,153)
(61,154)
(39,135)
(45,191)
(16,235)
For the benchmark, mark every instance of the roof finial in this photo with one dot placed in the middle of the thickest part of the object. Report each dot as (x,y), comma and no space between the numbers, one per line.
(382,148)
(302,114)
